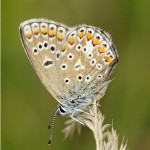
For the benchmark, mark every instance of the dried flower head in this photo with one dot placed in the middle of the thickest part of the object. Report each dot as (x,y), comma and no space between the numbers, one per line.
(105,140)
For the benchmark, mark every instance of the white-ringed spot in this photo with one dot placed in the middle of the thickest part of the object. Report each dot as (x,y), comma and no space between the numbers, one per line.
(79,47)
(40,46)
(99,77)
(52,48)
(84,49)
(99,66)
(70,56)
(80,77)
(45,45)
(48,62)
(93,62)
(89,55)
(64,66)
(35,51)
(88,78)
(67,80)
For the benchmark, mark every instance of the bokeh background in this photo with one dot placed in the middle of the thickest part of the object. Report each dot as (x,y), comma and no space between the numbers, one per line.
(26,105)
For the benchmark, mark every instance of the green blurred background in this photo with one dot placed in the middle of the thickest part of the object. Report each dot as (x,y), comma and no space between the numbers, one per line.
(26,105)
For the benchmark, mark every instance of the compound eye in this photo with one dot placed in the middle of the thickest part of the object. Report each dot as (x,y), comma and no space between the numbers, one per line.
(61,111)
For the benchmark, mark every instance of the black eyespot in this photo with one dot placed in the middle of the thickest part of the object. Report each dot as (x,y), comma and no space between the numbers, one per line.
(111,56)
(72,34)
(70,56)
(88,78)
(35,26)
(45,45)
(98,66)
(35,50)
(77,66)
(90,55)
(52,28)
(60,31)
(82,30)
(105,45)
(66,80)
(79,47)
(98,37)
(57,55)
(52,48)
(93,62)
(99,76)
(79,77)
(84,49)
(40,46)
(64,66)
(90,31)
(48,63)
(43,26)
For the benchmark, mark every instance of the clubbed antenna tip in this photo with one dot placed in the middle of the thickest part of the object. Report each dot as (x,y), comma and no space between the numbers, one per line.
(49,127)
(49,142)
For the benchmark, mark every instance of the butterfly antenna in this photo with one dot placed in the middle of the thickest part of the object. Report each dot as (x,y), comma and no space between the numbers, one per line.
(51,127)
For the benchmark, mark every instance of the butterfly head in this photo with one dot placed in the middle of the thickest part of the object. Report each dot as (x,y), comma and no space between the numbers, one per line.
(61,110)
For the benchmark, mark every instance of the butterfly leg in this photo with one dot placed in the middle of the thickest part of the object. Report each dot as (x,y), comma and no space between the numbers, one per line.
(96,104)
(87,113)
(91,113)
(79,110)
(72,116)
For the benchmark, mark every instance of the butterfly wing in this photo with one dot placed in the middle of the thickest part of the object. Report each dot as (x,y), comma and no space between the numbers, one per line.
(69,61)
(42,40)
(87,58)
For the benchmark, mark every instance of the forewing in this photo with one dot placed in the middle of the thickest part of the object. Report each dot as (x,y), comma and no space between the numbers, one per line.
(42,40)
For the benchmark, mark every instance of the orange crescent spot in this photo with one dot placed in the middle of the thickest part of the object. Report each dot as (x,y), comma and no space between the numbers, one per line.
(96,41)
(89,36)
(52,32)
(81,35)
(35,31)
(43,30)
(60,36)
(63,48)
(108,58)
(28,35)
(71,40)
(102,49)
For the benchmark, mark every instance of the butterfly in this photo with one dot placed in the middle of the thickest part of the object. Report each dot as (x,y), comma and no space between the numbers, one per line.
(73,63)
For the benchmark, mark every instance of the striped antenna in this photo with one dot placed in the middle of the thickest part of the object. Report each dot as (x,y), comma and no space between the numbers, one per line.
(51,126)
